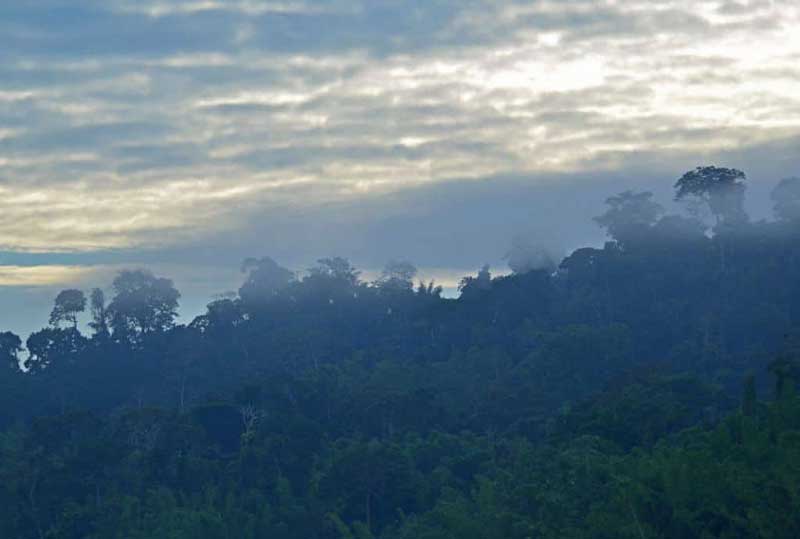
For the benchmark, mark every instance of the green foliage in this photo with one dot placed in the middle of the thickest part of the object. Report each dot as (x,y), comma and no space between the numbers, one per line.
(611,397)
(152,474)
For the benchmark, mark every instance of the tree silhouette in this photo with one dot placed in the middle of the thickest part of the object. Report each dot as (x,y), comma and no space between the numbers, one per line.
(337,269)
(721,189)
(68,304)
(397,276)
(629,216)
(99,312)
(143,304)
(472,286)
(10,347)
(265,278)
(50,344)
(786,197)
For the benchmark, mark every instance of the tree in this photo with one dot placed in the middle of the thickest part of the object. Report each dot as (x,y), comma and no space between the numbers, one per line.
(629,216)
(67,306)
(143,304)
(337,269)
(749,398)
(99,312)
(721,189)
(265,278)
(527,255)
(786,197)
(471,286)
(332,280)
(10,347)
(368,480)
(677,228)
(50,343)
(221,314)
(397,276)
(430,289)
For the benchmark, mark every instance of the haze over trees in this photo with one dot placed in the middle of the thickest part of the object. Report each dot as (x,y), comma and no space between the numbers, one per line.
(639,390)
(630,217)
(68,305)
(721,189)
(142,304)
(786,197)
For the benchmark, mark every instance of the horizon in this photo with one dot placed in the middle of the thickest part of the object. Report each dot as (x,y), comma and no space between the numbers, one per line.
(186,136)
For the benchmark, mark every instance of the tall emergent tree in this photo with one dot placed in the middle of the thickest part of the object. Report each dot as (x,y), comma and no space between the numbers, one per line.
(143,304)
(99,312)
(721,189)
(265,278)
(335,269)
(471,287)
(331,279)
(68,304)
(397,276)
(629,216)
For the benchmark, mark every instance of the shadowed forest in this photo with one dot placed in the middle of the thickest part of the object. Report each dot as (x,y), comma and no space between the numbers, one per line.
(641,390)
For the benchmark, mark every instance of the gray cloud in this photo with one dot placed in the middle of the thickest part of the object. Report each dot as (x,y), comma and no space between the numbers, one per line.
(174,130)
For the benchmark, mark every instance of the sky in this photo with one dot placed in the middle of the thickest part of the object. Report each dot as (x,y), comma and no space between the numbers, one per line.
(186,135)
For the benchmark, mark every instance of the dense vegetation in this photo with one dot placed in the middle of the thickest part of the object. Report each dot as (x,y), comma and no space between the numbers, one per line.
(612,395)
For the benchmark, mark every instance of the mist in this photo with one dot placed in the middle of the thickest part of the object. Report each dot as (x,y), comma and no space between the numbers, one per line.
(372,269)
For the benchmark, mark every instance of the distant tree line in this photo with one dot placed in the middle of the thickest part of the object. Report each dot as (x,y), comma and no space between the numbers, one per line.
(643,389)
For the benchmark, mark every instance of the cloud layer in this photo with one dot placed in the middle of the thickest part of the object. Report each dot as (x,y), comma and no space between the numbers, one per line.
(171,125)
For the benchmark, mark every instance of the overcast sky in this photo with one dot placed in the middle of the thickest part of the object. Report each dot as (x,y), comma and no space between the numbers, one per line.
(185,135)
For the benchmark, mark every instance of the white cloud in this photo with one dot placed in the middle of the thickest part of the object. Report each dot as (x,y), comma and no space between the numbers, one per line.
(249,7)
(114,150)
(39,276)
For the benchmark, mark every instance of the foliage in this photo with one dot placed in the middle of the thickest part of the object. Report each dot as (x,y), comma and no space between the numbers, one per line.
(629,216)
(722,189)
(143,304)
(786,197)
(613,396)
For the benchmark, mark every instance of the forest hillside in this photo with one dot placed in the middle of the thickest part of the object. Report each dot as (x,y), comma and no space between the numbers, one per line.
(645,389)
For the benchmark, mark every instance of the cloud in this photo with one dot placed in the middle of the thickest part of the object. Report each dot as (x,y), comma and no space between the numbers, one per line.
(19,276)
(151,128)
